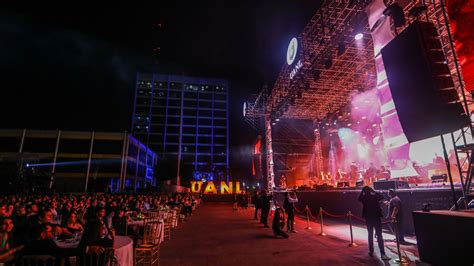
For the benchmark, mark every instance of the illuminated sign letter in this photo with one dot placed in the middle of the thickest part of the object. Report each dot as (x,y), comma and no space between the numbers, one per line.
(193,188)
(210,188)
(225,188)
(237,187)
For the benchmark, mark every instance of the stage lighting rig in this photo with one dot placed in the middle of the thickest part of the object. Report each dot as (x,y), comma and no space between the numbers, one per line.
(306,86)
(341,48)
(316,75)
(328,63)
(358,36)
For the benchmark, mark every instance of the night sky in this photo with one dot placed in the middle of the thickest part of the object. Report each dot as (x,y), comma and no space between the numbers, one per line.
(73,67)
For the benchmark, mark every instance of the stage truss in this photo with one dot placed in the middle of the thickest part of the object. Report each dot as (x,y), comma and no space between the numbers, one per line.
(335,66)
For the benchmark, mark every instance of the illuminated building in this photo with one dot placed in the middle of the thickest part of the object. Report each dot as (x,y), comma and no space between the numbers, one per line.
(74,161)
(185,120)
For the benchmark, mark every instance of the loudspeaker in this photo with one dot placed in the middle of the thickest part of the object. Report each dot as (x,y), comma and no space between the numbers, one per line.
(390,184)
(422,88)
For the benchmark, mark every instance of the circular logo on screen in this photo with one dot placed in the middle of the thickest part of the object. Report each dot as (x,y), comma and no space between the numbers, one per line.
(291,52)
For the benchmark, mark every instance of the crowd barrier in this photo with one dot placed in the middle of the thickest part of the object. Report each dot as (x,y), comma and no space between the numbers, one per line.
(349,216)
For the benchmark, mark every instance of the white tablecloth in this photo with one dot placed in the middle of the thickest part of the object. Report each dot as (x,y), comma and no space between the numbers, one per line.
(123,249)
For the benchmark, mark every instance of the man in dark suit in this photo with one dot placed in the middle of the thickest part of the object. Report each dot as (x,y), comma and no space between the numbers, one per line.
(372,213)
(257,203)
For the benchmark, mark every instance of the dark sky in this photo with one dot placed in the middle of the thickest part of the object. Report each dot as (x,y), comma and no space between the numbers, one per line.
(73,67)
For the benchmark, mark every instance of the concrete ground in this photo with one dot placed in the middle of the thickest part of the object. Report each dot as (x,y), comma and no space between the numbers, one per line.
(216,235)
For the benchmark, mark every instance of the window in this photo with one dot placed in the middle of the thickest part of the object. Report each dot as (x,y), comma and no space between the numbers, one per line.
(220,97)
(205,130)
(219,105)
(205,113)
(220,114)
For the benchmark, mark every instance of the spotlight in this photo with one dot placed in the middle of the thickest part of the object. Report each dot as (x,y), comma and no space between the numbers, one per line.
(341,48)
(292,101)
(316,75)
(306,86)
(358,36)
(27,165)
(328,63)
(278,119)
(273,123)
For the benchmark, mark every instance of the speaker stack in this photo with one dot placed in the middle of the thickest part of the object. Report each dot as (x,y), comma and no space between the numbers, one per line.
(422,88)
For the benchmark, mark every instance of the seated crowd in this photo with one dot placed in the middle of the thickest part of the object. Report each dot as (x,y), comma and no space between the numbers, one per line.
(32,224)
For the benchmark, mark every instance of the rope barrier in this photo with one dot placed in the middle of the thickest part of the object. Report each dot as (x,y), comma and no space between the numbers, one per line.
(316,216)
(298,211)
(401,259)
(352,244)
(360,219)
(335,215)
(322,222)
(308,213)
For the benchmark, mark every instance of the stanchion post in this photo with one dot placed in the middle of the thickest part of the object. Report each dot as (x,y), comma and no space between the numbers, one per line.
(308,227)
(401,260)
(322,223)
(352,244)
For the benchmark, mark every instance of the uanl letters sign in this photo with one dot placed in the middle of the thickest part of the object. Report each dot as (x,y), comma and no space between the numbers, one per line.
(210,187)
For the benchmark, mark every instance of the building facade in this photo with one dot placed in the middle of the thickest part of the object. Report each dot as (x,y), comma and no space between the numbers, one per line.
(75,161)
(185,121)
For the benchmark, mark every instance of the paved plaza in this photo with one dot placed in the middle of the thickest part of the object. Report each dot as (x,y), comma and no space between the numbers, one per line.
(216,235)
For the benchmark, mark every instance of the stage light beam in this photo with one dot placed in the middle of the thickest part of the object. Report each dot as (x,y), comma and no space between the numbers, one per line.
(358,36)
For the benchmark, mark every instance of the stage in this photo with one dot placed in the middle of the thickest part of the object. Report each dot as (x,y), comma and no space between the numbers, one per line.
(340,201)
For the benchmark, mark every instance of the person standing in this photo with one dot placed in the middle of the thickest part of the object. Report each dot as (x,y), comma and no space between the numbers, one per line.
(372,213)
(234,202)
(244,200)
(395,213)
(289,207)
(265,203)
(258,204)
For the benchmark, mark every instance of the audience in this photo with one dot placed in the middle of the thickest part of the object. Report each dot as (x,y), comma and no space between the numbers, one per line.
(37,222)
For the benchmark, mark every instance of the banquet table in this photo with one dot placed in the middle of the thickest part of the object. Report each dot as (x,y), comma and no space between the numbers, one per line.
(123,246)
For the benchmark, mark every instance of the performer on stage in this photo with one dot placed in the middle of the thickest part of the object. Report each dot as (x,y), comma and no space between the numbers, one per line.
(283,181)
(354,171)
(371,171)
